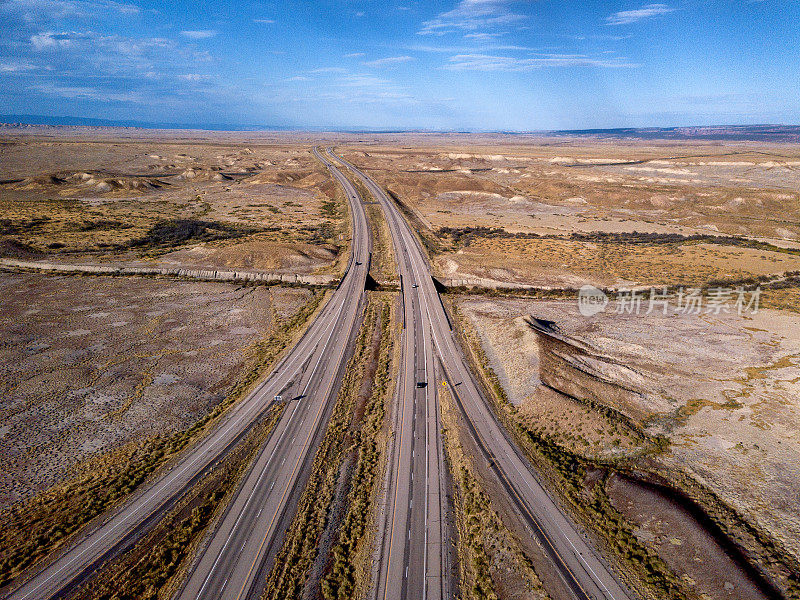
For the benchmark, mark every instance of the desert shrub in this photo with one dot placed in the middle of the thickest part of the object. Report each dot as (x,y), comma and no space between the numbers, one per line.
(181,231)
(340,582)
(21,226)
(32,529)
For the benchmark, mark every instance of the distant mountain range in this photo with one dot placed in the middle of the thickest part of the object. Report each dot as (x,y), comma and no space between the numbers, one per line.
(25,120)
(762,133)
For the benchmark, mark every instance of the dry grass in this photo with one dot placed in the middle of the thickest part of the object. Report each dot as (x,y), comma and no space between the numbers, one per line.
(716,417)
(155,566)
(98,362)
(94,200)
(570,263)
(735,188)
(492,565)
(383,268)
(348,575)
(583,187)
(346,465)
(35,527)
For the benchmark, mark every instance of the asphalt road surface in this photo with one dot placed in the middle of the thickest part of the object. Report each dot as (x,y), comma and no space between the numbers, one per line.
(412,531)
(243,547)
(581,567)
(248,535)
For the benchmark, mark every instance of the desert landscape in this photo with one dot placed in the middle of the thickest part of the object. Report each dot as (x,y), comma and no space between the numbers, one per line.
(92,364)
(93,360)
(458,300)
(561,213)
(191,205)
(707,413)
(683,426)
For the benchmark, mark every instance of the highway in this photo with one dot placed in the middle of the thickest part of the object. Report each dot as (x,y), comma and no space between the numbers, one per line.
(242,550)
(580,566)
(412,531)
(250,531)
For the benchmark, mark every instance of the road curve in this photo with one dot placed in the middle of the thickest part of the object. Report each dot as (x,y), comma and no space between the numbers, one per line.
(242,549)
(305,374)
(584,572)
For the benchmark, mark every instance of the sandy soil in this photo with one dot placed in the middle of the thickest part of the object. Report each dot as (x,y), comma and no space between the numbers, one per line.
(86,199)
(90,363)
(723,388)
(570,263)
(690,551)
(737,189)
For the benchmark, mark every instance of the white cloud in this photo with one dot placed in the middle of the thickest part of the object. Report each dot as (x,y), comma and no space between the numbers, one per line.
(471,16)
(199,34)
(365,88)
(88,93)
(329,70)
(470,49)
(361,80)
(39,11)
(131,47)
(385,62)
(299,78)
(485,62)
(625,17)
(354,55)
(49,40)
(96,46)
(194,77)
(16,67)
(355,89)
(483,36)
(264,21)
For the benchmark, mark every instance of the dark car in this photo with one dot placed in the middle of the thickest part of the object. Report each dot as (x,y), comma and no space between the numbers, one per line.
(422,384)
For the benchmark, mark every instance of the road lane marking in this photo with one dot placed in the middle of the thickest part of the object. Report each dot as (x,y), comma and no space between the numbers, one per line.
(578,554)
(403,392)
(247,503)
(305,445)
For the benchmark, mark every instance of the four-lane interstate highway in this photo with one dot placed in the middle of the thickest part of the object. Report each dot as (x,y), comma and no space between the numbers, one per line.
(413,556)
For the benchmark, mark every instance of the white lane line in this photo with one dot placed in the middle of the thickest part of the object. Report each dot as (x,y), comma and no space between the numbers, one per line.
(311,378)
(247,503)
(223,587)
(146,499)
(237,417)
(269,461)
(416,276)
(577,553)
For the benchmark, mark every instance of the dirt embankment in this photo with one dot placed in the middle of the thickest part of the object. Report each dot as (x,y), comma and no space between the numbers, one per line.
(574,369)
(712,546)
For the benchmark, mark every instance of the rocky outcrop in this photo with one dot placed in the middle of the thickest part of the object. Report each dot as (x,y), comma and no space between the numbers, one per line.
(573,367)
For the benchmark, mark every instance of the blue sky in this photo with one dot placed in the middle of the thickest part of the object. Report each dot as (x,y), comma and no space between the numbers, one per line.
(445,64)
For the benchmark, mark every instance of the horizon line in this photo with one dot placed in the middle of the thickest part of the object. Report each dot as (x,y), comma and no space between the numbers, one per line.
(21,120)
